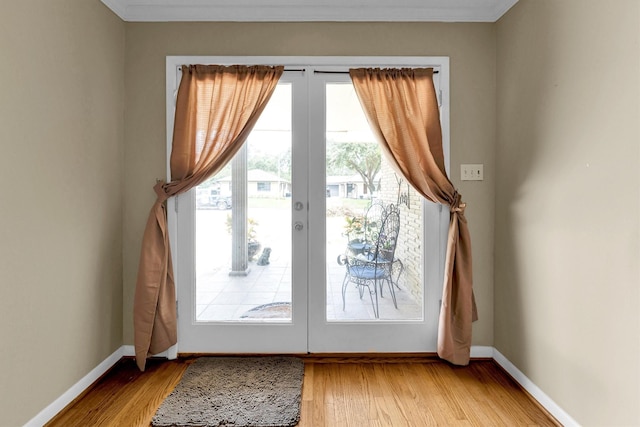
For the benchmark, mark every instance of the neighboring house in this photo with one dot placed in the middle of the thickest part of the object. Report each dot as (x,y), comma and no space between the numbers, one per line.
(259,184)
(350,186)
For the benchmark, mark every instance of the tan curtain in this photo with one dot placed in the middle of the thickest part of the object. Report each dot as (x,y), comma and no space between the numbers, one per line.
(402,109)
(216,108)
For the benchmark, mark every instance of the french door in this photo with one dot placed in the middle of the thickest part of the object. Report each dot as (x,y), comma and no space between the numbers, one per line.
(258,247)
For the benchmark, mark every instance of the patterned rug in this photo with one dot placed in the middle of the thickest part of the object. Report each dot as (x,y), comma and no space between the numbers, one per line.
(235,391)
(274,310)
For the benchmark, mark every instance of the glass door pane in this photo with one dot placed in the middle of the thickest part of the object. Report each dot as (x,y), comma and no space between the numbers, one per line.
(367,283)
(242,270)
(361,188)
(243,226)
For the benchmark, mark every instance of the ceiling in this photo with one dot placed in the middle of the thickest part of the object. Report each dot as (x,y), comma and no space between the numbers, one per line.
(310,10)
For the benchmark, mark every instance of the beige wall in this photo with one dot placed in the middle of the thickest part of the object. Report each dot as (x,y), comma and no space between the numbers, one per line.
(562,182)
(471,48)
(61,164)
(567,284)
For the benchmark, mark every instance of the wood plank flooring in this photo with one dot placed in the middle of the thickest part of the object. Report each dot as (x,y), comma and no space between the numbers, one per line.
(337,391)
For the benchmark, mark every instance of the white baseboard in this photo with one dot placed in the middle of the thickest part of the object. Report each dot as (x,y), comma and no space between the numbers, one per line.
(542,398)
(171,354)
(128,351)
(481,352)
(61,402)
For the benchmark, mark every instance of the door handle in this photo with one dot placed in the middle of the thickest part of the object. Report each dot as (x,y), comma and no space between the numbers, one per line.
(298,225)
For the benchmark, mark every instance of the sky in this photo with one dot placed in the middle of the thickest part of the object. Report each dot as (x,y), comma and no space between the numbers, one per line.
(345,121)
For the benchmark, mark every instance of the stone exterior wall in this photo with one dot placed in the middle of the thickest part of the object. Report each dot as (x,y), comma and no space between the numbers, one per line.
(409,249)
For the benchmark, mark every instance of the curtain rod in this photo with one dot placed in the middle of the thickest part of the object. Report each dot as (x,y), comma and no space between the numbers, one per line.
(320,72)
(286,69)
(343,72)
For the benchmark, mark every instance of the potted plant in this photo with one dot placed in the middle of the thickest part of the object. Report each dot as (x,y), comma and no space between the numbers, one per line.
(252,241)
(354,230)
(253,245)
(385,247)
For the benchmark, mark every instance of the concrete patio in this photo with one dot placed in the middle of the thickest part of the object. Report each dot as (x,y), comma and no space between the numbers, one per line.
(220,297)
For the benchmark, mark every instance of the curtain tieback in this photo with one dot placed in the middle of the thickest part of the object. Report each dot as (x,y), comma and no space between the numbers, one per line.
(458,205)
(160,191)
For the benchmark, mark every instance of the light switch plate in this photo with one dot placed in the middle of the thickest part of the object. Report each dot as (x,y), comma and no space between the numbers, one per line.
(472,172)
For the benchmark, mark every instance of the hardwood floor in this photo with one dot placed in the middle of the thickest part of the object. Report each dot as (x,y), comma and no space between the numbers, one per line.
(337,391)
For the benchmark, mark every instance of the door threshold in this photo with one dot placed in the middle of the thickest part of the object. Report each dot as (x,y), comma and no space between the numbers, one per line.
(333,357)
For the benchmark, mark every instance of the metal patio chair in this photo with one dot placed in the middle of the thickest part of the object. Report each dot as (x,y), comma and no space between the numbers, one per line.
(372,267)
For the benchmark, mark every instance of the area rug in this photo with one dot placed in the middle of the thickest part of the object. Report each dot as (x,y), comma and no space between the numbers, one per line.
(274,310)
(235,391)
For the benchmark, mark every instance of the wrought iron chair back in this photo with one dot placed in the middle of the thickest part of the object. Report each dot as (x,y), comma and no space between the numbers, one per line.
(364,230)
(372,267)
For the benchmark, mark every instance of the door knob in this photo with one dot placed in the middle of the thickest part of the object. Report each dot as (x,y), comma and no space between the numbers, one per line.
(298,206)
(298,226)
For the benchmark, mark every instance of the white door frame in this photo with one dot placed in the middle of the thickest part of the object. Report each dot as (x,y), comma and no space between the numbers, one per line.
(435,217)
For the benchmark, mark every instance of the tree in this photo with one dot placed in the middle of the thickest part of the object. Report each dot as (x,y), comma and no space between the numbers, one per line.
(360,157)
(277,163)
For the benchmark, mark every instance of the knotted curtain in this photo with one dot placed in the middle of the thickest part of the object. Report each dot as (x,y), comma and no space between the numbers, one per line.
(216,108)
(402,109)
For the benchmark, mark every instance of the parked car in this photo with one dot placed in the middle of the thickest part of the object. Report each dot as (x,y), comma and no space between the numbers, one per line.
(209,198)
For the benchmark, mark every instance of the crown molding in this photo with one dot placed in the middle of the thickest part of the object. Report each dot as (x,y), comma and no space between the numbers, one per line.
(119,7)
(310,10)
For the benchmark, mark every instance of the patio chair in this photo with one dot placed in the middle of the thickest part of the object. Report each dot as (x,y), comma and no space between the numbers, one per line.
(370,269)
(371,221)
